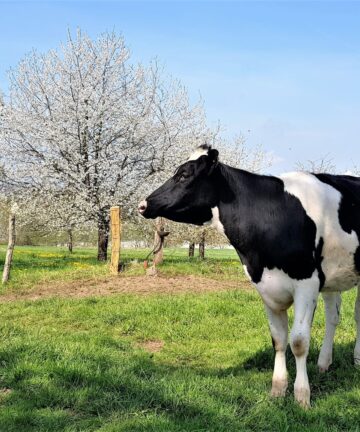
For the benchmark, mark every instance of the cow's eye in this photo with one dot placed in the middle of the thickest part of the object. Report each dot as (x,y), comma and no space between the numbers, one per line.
(183,177)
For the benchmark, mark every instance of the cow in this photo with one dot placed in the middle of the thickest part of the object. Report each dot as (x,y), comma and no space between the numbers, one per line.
(296,235)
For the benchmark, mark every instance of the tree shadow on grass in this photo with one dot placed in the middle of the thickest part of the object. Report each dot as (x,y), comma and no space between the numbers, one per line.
(133,392)
(60,394)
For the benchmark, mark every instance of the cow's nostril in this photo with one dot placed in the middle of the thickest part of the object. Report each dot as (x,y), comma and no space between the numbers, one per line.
(142,207)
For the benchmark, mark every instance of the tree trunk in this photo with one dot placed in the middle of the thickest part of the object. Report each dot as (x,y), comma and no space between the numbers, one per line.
(159,241)
(103,237)
(202,246)
(191,249)
(70,240)
(10,249)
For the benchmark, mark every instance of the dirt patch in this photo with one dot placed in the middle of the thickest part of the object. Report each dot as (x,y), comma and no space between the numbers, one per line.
(142,285)
(151,346)
(5,392)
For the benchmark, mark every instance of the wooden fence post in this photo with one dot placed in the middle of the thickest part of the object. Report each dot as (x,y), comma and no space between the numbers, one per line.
(10,249)
(115,220)
(202,245)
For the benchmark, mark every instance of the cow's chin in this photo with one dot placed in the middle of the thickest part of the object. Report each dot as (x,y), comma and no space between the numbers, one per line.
(188,217)
(185,218)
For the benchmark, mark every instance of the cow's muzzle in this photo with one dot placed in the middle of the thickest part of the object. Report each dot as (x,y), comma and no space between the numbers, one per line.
(142,207)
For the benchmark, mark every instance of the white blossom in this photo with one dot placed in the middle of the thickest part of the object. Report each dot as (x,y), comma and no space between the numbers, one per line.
(84,129)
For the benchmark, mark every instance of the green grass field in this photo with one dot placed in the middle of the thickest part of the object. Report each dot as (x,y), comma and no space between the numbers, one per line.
(33,264)
(87,364)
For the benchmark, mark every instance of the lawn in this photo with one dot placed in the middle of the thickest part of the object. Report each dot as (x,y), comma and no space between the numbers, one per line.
(33,264)
(186,362)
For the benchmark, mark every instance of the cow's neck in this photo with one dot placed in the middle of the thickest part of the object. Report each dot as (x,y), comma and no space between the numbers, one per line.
(242,200)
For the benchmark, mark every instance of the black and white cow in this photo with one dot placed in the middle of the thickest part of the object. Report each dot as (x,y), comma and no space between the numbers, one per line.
(297,235)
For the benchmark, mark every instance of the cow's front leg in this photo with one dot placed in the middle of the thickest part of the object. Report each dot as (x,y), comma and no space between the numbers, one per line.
(278,322)
(332,302)
(305,299)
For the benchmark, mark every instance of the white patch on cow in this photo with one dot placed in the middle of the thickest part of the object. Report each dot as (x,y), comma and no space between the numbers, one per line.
(321,203)
(215,221)
(305,299)
(278,323)
(278,291)
(198,153)
(277,288)
(246,272)
(332,301)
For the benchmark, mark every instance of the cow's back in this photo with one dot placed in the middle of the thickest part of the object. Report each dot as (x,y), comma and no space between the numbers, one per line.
(333,203)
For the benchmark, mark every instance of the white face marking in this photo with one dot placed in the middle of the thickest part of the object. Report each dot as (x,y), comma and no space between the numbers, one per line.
(215,221)
(198,153)
(321,203)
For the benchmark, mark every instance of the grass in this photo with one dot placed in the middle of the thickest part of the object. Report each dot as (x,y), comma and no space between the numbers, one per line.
(83,364)
(33,265)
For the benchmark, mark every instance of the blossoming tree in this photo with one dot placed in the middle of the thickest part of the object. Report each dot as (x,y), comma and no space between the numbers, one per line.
(84,122)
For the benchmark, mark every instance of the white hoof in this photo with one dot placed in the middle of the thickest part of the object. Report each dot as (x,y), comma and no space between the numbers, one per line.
(324,363)
(302,397)
(278,388)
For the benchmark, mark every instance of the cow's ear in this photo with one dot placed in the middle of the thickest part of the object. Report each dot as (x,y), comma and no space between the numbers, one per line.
(214,156)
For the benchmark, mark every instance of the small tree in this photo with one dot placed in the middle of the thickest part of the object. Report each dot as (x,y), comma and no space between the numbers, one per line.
(321,165)
(202,244)
(191,249)
(325,165)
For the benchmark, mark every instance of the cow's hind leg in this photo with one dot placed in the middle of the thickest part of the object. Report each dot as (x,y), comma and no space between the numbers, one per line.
(332,302)
(357,319)
(278,322)
(305,299)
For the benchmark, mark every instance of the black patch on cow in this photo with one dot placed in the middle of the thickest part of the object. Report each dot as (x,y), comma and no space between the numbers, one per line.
(349,209)
(318,261)
(357,259)
(337,309)
(267,226)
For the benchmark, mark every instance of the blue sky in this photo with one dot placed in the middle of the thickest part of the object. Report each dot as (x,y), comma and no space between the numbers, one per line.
(286,74)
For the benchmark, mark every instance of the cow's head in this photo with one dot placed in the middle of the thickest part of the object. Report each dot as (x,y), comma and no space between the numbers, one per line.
(190,194)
